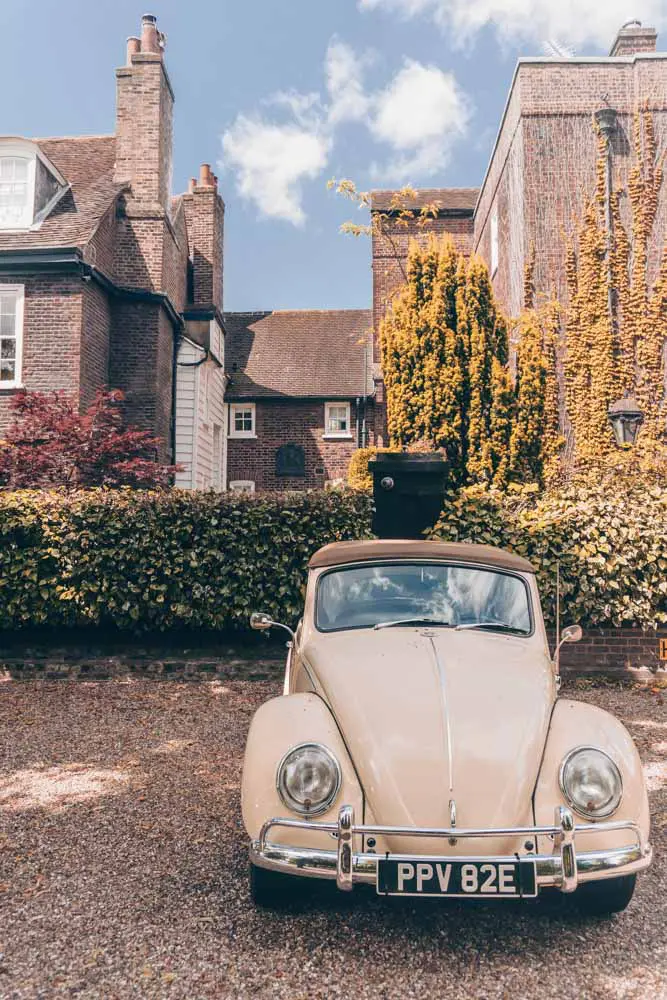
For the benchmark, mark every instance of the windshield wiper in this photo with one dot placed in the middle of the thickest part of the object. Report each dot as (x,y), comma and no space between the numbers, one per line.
(414,621)
(497,626)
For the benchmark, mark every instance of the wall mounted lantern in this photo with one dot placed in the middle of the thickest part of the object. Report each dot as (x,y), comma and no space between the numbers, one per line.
(626,418)
(606,121)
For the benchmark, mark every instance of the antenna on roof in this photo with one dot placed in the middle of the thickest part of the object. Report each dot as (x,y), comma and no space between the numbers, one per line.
(557,50)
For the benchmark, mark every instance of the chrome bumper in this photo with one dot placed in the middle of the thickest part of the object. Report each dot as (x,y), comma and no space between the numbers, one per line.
(563,869)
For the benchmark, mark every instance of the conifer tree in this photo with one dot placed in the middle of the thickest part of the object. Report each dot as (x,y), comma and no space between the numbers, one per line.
(444,346)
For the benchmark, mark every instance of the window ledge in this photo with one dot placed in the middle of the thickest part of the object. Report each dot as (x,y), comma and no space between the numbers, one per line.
(337,437)
(242,437)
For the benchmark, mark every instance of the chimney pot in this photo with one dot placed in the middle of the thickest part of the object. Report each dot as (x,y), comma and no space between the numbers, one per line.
(192,184)
(133,46)
(150,40)
(205,175)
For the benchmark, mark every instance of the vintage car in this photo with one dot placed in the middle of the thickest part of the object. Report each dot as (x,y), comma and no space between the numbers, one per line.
(420,745)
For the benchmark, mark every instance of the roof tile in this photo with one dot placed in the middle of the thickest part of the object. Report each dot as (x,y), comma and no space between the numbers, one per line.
(86,163)
(444,199)
(303,353)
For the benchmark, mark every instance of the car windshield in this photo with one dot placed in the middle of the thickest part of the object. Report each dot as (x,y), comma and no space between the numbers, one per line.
(415,593)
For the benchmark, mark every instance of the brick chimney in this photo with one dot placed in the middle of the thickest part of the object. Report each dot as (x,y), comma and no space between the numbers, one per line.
(205,219)
(144,118)
(633,38)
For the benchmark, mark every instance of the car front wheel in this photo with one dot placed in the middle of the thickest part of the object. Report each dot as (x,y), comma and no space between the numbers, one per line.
(607,896)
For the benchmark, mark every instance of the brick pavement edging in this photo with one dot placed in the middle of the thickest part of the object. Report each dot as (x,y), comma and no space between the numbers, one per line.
(615,653)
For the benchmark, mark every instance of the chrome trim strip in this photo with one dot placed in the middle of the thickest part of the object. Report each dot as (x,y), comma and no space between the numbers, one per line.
(344,851)
(443,833)
(444,705)
(312,863)
(564,844)
(564,869)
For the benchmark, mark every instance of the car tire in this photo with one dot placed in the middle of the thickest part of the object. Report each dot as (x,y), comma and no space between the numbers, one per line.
(607,896)
(272,890)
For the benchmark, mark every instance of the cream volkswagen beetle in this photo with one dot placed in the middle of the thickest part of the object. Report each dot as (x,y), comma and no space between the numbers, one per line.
(420,745)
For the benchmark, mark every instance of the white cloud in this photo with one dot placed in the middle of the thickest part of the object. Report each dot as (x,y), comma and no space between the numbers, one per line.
(418,117)
(305,108)
(573,21)
(345,84)
(272,161)
(421,115)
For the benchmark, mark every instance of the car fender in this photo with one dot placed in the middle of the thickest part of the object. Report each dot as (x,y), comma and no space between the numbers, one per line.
(577,724)
(277,726)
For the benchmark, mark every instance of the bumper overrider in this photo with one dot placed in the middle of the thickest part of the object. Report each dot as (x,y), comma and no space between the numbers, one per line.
(565,868)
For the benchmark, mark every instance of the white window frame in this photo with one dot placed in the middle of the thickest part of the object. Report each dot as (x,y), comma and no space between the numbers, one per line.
(26,150)
(494,241)
(338,435)
(27,218)
(19,296)
(242,486)
(233,409)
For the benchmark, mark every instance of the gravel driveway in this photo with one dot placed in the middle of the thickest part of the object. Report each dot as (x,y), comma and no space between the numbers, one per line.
(123,871)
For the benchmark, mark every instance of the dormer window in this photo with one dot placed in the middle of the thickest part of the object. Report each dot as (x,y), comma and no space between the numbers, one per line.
(30,185)
(15,208)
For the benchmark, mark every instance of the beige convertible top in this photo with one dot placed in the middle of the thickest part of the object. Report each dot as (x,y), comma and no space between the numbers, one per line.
(338,553)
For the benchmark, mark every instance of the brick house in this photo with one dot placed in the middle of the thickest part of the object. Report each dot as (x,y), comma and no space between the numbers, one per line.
(300,396)
(542,169)
(106,280)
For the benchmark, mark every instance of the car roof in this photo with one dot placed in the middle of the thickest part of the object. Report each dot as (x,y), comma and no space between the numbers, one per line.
(339,553)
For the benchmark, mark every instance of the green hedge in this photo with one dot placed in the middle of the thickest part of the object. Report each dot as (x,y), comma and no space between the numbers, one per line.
(154,561)
(610,541)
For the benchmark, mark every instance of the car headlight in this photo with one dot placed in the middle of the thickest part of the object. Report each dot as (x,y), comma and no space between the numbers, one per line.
(591,782)
(308,779)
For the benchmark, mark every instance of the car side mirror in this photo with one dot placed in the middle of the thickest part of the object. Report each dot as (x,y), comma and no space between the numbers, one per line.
(262,623)
(259,621)
(573,633)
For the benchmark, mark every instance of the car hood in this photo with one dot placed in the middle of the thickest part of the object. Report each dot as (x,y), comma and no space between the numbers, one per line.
(431,715)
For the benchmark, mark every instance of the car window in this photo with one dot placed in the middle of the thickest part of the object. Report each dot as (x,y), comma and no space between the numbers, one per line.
(369,595)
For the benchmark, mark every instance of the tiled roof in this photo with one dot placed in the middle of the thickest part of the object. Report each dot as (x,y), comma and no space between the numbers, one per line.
(86,163)
(305,353)
(445,199)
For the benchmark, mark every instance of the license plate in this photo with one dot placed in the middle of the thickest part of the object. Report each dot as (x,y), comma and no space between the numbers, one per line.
(458,879)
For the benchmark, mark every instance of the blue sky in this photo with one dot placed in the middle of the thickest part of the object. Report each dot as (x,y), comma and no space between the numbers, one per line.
(281,96)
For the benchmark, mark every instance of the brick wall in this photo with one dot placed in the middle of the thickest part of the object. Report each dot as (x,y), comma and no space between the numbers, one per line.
(293,422)
(205,213)
(543,168)
(390,251)
(144,127)
(99,655)
(51,335)
(140,365)
(95,342)
(615,652)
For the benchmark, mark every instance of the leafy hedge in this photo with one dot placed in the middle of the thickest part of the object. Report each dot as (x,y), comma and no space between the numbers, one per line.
(154,561)
(611,544)
(143,561)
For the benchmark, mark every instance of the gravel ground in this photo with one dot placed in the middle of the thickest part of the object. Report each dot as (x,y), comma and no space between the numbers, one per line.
(123,870)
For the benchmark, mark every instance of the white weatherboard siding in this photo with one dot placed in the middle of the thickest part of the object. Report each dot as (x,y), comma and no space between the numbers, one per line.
(210,413)
(186,393)
(200,416)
